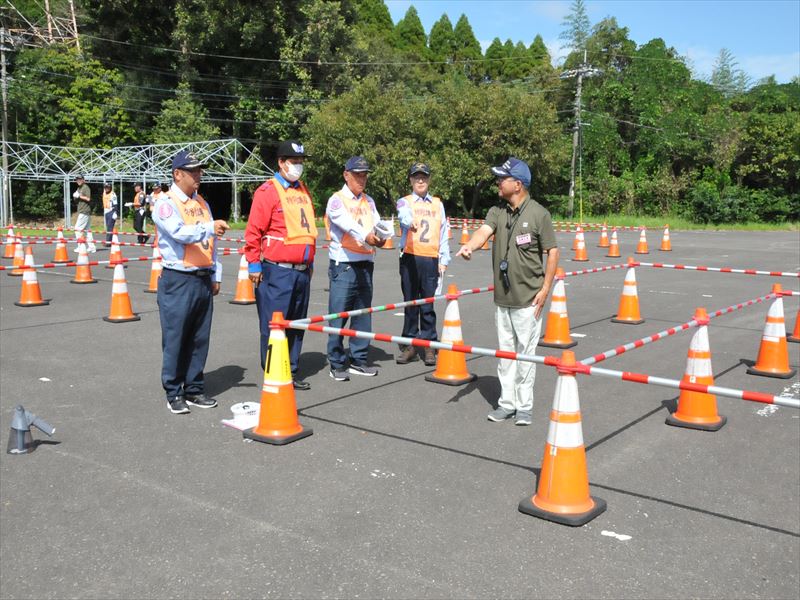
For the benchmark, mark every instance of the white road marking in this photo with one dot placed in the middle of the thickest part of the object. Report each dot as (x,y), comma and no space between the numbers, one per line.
(578,335)
(620,536)
(44,379)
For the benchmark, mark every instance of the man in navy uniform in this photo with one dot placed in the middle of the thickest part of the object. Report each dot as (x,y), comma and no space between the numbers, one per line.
(190,278)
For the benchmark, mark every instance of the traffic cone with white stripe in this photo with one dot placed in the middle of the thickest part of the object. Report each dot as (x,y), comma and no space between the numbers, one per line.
(121,311)
(277,421)
(115,255)
(464,235)
(244,287)
(603,243)
(155,271)
(578,235)
(698,410)
(31,293)
(795,336)
(11,241)
(556,334)
(580,250)
(83,272)
(451,366)
(666,244)
(641,247)
(61,255)
(562,495)
(628,312)
(773,354)
(613,249)
(19,258)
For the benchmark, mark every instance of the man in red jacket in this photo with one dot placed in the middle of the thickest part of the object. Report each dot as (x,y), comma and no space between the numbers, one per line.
(280,241)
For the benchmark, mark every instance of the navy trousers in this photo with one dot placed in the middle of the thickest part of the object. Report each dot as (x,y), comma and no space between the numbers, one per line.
(109,225)
(419,276)
(351,288)
(186,306)
(287,291)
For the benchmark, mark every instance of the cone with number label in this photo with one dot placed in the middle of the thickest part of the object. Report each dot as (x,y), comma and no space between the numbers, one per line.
(244,287)
(628,312)
(603,243)
(83,272)
(795,336)
(556,334)
(115,255)
(155,271)
(698,410)
(580,250)
(641,247)
(11,241)
(451,366)
(121,311)
(19,258)
(666,244)
(562,495)
(613,248)
(277,422)
(61,255)
(773,354)
(31,293)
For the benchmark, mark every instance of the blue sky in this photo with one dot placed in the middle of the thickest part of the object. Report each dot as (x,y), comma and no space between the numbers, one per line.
(764,36)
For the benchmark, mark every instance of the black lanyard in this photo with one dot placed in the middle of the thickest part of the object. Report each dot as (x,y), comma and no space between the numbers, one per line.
(510,228)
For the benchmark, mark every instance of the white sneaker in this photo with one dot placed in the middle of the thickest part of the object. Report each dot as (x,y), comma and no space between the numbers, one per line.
(92,249)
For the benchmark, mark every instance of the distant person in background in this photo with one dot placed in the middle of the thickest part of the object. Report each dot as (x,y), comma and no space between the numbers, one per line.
(83,198)
(110,211)
(424,256)
(140,214)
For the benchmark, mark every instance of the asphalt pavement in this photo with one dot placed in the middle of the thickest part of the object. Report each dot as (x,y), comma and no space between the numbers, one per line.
(405,489)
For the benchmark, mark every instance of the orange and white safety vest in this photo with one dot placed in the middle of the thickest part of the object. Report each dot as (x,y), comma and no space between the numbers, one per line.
(361,211)
(194,211)
(298,214)
(428,219)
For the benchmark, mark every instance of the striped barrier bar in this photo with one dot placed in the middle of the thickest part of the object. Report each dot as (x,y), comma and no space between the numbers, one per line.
(719,269)
(671,331)
(596,270)
(102,231)
(554,361)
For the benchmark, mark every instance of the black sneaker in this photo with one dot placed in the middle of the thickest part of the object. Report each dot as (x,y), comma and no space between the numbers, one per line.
(200,400)
(177,406)
(301,385)
(365,370)
(339,375)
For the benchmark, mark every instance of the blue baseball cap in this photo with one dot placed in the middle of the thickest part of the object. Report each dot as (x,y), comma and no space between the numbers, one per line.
(357,164)
(516,169)
(186,160)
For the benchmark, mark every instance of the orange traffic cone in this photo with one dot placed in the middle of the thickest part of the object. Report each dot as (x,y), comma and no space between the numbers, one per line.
(61,255)
(19,258)
(641,247)
(83,272)
(464,235)
(666,245)
(389,245)
(155,271)
(486,243)
(562,495)
(795,337)
(773,355)
(613,249)
(121,311)
(578,232)
(556,334)
(11,240)
(31,293)
(629,300)
(327,228)
(116,254)
(698,410)
(603,243)
(451,366)
(580,250)
(244,287)
(449,230)
(277,423)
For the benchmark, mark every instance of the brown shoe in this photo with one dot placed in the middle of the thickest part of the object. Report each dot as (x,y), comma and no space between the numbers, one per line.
(430,357)
(407,354)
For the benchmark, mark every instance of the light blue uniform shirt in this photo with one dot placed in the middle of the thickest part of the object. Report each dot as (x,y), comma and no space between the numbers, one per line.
(174,233)
(341,222)
(406,218)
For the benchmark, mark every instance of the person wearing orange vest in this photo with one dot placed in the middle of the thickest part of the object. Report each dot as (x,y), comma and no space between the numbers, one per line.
(140,210)
(353,219)
(190,278)
(424,256)
(110,208)
(280,243)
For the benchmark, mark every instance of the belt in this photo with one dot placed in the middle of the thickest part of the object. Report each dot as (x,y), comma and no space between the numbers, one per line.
(195,273)
(285,265)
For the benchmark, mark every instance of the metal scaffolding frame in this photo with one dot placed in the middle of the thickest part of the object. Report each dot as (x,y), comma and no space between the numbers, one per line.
(228,161)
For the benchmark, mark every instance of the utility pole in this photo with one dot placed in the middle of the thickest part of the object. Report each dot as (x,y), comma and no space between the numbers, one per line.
(583,70)
(4,188)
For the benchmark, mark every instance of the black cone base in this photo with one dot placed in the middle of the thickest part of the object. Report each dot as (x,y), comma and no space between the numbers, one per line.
(123,320)
(26,304)
(573,520)
(433,379)
(79,282)
(754,371)
(242,302)
(555,345)
(627,322)
(676,422)
(249,434)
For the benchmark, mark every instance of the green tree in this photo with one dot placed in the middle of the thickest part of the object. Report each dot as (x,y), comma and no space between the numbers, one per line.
(441,41)
(575,26)
(538,51)
(495,60)
(183,120)
(410,33)
(467,48)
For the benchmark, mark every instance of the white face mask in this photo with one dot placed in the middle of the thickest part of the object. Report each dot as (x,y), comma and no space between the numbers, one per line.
(293,172)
